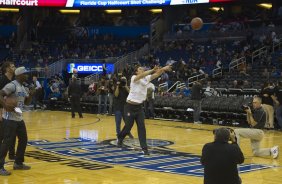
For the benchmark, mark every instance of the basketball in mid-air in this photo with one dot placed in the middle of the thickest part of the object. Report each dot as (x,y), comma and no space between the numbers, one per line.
(10,103)
(197,23)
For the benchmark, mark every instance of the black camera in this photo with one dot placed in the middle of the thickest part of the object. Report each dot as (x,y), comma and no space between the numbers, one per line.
(245,107)
(122,83)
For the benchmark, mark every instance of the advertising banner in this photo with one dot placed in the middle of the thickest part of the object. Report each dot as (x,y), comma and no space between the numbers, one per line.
(101,3)
(89,68)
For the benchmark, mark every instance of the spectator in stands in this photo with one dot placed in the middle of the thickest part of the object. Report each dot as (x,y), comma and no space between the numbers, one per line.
(102,92)
(256,118)
(267,95)
(74,96)
(220,159)
(265,73)
(196,96)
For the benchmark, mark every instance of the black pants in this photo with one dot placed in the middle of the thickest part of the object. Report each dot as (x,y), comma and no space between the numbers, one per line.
(12,146)
(134,113)
(75,106)
(149,108)
(37,98)
(11,130)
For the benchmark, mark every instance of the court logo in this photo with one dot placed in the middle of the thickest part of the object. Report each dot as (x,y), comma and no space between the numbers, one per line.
(162,159)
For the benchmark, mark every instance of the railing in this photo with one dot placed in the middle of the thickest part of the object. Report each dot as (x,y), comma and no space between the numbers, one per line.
(181,85)
(91,78)
(173,86)
(260,52)
(192,80)
(236,63)
(164,87)
(276,45)
(217,72)
(130,58)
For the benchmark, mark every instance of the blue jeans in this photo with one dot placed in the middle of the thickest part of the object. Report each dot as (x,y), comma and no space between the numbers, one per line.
(118,117)
(111,99)
(279,115)
(104,99)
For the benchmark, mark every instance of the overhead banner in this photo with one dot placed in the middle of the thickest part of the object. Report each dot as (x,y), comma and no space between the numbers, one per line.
(101,3)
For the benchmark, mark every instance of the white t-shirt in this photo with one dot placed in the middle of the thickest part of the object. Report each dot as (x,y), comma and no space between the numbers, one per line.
(138,89)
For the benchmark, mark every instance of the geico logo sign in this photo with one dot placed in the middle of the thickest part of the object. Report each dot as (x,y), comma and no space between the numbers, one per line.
(90,68)
(19,2)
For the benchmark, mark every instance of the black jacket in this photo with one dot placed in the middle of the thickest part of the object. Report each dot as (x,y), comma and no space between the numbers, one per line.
(220,161)
(74,90)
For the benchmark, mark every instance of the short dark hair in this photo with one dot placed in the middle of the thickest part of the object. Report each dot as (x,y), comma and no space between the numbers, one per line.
(221,134)
(5,65)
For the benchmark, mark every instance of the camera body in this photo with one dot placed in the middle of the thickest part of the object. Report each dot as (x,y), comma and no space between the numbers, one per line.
(247,106)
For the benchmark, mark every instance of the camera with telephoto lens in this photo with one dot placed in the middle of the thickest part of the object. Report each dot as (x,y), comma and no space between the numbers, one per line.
(247,106)
(123,81)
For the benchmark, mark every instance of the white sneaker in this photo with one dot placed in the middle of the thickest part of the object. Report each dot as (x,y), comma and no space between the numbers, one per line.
(274,151)
(197,122)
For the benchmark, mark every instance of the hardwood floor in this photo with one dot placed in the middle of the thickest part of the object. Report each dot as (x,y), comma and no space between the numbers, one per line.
(82,151)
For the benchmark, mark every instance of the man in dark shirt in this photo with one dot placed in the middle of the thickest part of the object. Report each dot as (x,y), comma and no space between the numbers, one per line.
(196,96)
(220,159)
(74,93)
(8,69)
(121,93)
(256,119)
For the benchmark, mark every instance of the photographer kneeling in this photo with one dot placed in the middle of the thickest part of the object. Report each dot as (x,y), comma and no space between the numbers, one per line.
(220,158)
(256,119)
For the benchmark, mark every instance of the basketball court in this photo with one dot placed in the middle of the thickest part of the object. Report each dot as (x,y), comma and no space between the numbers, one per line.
(82,151)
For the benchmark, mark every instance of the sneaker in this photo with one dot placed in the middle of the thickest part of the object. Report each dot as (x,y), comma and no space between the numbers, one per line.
(274,151)
(197,122)
(80,116)
(119,143)
(145,152)
(21,167)
(4,172)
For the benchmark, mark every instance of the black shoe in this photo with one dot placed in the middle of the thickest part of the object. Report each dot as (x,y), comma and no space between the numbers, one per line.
(4,172)
(12,157)
(119,143)
(80,116)
(72,116)
(21,167)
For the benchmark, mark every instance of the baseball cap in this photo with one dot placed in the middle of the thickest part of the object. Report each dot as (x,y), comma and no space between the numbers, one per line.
(21,70)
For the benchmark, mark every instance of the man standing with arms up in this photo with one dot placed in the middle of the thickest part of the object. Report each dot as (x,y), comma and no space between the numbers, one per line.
(8,69)
(13,120)
(133,108)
